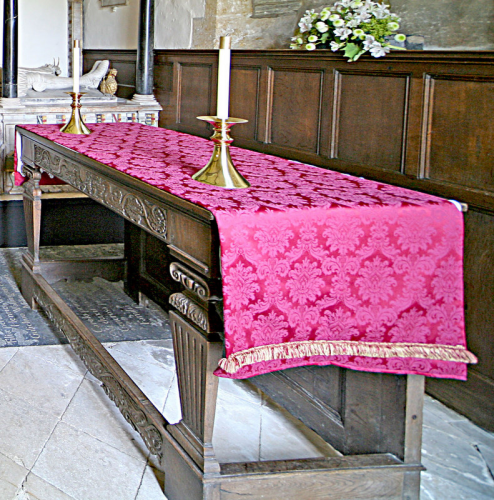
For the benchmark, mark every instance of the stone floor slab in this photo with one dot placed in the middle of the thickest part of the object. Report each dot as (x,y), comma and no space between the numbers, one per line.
(283,437)
(42,383)
(25,429)
(84,468)
(12,476)
(92,412)
(39,489)
(152,485)
(237,429)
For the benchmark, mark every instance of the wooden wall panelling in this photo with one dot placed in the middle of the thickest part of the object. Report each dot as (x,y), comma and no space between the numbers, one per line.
(295,108)
(371,109)
(195,83)
(245,91)
(459,145)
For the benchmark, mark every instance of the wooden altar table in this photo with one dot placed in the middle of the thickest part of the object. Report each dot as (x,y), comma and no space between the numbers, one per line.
(172,253)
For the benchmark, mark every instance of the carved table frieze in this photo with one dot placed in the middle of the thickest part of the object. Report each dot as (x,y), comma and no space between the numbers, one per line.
(137,208)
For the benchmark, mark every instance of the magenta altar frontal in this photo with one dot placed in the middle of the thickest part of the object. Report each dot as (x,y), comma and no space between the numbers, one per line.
(318,267)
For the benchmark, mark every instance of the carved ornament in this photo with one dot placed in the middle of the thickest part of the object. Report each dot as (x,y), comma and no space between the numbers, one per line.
(138,209)
(190,310)
(190,280)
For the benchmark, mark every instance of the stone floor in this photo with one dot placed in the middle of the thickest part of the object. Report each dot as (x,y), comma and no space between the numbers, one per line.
(62,439)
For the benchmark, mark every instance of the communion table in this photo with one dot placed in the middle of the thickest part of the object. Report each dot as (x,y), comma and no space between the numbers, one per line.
(306,270)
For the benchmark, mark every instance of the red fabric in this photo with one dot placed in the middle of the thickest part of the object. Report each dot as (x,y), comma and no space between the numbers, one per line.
(310,254)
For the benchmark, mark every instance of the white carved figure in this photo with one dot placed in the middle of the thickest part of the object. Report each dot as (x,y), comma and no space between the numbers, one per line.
(46,78)
(53,69)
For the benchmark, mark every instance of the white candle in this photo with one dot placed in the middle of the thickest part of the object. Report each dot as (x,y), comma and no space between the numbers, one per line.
(223,94)
(76,65)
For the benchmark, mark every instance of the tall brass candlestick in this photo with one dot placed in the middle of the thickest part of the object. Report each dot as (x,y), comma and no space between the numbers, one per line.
(220,170)
(75,125)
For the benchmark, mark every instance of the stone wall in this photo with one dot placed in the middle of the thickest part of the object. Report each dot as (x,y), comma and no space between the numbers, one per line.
(449,24)
(253,24)
(445,24)
(269,24)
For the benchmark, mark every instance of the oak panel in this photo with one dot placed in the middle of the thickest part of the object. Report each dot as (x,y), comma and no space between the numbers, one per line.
(295,108)
(164,77)
(371,114)
(459,143)
(194,97)
(244,100)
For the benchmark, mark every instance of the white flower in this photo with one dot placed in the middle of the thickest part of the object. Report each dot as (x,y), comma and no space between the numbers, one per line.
(342,33)
(393,26)
(363,16)
(356,3)
(338,23)
(310,46)
(378,50)
(312,38)
(334,17)
(369,40)
(322,27)
(359,33)
(335,46)
(344,3)
(305,23)
(325,14)
(300,41)
(400,37)
(380,11)
(352,23)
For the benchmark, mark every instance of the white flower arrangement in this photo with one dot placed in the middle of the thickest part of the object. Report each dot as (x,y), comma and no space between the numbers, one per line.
(351,26)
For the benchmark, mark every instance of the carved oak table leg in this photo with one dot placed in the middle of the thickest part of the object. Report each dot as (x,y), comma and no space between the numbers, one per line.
(32,214)
(197,352)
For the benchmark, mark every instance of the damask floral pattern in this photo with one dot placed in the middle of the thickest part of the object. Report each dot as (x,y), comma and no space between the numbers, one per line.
(318,267)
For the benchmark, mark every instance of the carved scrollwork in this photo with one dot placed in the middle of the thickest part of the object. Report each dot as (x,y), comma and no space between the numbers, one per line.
(44,160)
(133,414)
(190,310)
(138,209)
(190,280)
(112,387)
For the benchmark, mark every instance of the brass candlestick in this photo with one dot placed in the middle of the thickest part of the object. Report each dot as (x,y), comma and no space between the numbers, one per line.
(220,170)
(75,125)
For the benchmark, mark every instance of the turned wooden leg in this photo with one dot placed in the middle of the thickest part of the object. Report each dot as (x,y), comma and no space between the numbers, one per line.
(32,215)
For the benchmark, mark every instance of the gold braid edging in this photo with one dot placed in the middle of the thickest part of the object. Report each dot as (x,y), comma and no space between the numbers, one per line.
(302,349)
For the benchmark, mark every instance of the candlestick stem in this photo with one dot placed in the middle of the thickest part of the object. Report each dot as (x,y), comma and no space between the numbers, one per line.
(220,170)
(75,125)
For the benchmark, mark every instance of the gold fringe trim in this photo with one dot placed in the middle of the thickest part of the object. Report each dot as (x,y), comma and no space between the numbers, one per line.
(305,348)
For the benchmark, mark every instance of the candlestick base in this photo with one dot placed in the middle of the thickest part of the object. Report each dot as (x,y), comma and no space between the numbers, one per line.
(75,125)
(220,170)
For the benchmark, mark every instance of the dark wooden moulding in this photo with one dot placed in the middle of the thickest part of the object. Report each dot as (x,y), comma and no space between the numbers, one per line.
(374,420)
(417,119)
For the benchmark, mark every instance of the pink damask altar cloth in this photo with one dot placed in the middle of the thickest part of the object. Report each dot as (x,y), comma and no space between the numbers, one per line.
(318,267)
